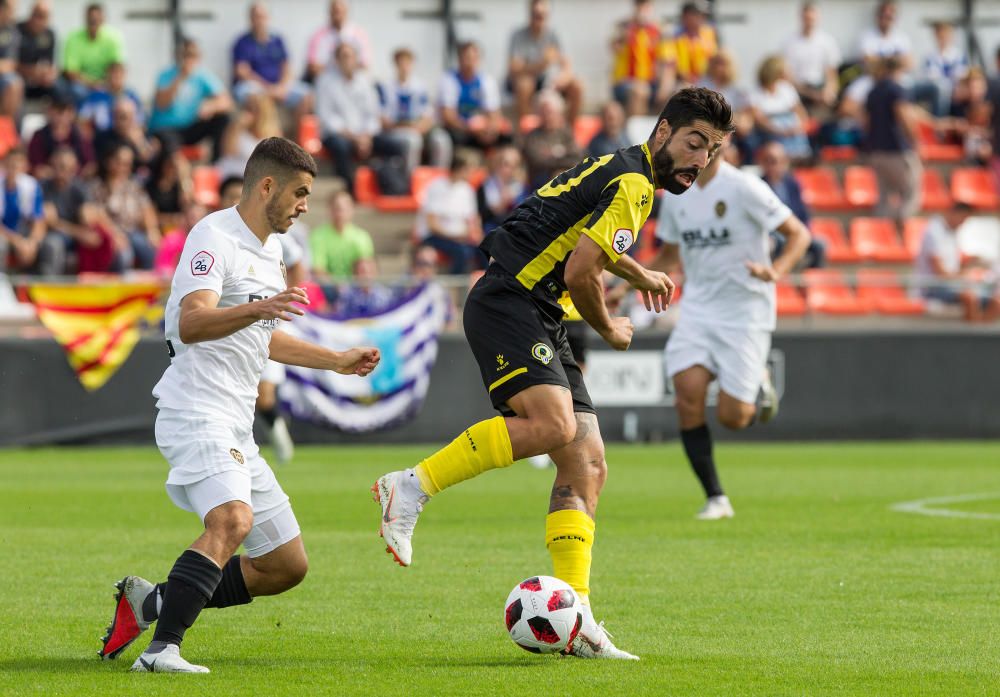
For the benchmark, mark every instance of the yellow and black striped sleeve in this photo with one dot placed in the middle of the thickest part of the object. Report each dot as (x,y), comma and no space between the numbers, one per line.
(623,208)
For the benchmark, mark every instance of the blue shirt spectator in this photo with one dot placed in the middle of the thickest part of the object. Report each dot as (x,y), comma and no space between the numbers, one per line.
(260,64)
(192,89)
(99,104)
(22,202)
(265,58)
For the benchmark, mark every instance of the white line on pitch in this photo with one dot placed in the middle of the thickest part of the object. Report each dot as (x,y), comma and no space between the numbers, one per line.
(923,506)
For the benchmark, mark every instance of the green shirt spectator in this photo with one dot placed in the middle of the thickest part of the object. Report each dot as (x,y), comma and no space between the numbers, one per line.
(89,51)
(336,246)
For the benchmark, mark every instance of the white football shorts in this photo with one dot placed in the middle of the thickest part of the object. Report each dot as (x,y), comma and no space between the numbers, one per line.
(212,463)
(737,356)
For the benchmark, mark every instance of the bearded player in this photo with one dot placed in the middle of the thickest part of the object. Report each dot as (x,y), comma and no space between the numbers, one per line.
(560,239)
(227,297)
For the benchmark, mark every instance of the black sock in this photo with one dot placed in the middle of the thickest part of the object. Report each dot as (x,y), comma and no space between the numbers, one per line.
(698,446)
(232,589)
(150,606)
(269,415)
(190,584)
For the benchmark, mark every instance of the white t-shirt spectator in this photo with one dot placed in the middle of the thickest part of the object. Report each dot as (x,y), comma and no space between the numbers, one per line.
(875,43)
(810,57)
(939,243)
(949,66)
(780,102)
(453,203)
(346,105)
(405,102)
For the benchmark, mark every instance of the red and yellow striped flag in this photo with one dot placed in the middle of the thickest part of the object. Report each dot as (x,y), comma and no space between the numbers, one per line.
(96,325)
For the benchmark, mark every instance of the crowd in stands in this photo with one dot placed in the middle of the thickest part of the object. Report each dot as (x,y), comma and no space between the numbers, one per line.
(108,181)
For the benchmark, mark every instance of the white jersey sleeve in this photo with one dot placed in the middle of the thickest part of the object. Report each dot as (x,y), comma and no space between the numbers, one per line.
(666,226)
(291,251)
(203,263)
(762,205)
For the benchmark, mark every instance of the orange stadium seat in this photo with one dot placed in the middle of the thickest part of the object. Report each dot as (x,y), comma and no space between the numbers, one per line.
(790,301)
(309,135)
(820,189)
(913,234)
(935,196)
(8,135)
(838,249)
(876,239)
(477,177)
(976,187)
(206,185)
(882,288)
(827,293)
(195,152)
(838,153)
(365,186)
(930,147)
(530,122)
(860,186)
(586,127)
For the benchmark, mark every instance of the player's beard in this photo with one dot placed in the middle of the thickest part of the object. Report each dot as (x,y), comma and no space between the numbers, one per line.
(277,219)
(666,174)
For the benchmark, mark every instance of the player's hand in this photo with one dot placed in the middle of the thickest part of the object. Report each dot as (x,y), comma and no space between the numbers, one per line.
(359,361)
(282,305)
(764,272)
(657,290)
(619,334)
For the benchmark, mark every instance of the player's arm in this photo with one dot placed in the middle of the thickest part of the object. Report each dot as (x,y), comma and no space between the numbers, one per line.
(287,349)
(203,320)
(797,239)
(586,287)
(655,286)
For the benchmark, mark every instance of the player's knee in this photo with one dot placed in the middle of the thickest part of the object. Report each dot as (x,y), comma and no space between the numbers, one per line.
(295,572)
(690,404)
(232,524)
(736,417)
(559,430)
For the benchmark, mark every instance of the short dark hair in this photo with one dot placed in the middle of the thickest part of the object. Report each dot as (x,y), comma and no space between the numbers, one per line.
(279,158)
(697,104)
(228,182)
(94,7)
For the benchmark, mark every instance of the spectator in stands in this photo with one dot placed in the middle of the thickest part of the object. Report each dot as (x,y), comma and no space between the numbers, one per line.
(776,171)
(324,42)
(550,148)
(941,71)
(938,266)
(90,51)
(976,134)
(125,130)
(505,186)
(261,65)
(408,114)
(885,40)
(130,213)
(449,220)
(172,244)
(470,102)
(23,242)
(612,136)
(892,123)
(348,113)
(813,57)
(778,113)
(721,77)
(536,61)
(73,221)
(191,103)
(169,186)
(847,128)
(636,47)
(694,43)
(364,296)
(423,264)
(335,247)
(11,84)
(36,61)
(61,129)
(993,97)
(256,120)
(230,192)
(97,107)
(970,89)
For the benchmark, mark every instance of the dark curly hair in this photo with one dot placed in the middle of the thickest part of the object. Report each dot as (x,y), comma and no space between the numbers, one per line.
(697,104)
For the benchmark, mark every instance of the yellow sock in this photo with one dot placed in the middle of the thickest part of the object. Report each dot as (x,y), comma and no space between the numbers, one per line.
(481,447)
(569,536)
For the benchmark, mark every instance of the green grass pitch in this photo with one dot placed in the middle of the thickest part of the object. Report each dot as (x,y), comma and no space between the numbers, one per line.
(817,587)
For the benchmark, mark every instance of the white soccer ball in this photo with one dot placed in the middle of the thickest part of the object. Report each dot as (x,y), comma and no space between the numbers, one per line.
(542,614)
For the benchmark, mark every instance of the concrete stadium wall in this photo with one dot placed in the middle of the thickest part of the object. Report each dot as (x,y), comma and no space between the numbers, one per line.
(836,386)
(752,29)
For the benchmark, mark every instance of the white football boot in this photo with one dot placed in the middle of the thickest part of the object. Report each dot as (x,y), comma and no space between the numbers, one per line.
(127,624)
(594,641)
(540,462)
(281,440)
(166,661)
(768,402)
(402,501)
(716,508)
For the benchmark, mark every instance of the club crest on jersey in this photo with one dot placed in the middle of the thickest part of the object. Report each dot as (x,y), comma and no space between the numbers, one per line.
(541,353)
(623,239)
(202,263)
(720,209)
(237,455)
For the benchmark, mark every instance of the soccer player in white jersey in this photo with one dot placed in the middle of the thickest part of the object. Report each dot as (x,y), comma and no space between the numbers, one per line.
(227,298)
(718,231)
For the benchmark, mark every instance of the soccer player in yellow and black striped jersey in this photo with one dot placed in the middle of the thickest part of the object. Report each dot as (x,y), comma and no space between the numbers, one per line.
(560,239)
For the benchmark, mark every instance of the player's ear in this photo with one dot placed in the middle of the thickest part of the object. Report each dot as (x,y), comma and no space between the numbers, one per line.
(267,185)
(663,131)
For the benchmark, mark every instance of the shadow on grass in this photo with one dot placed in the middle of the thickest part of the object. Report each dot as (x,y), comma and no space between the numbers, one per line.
(62,664)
